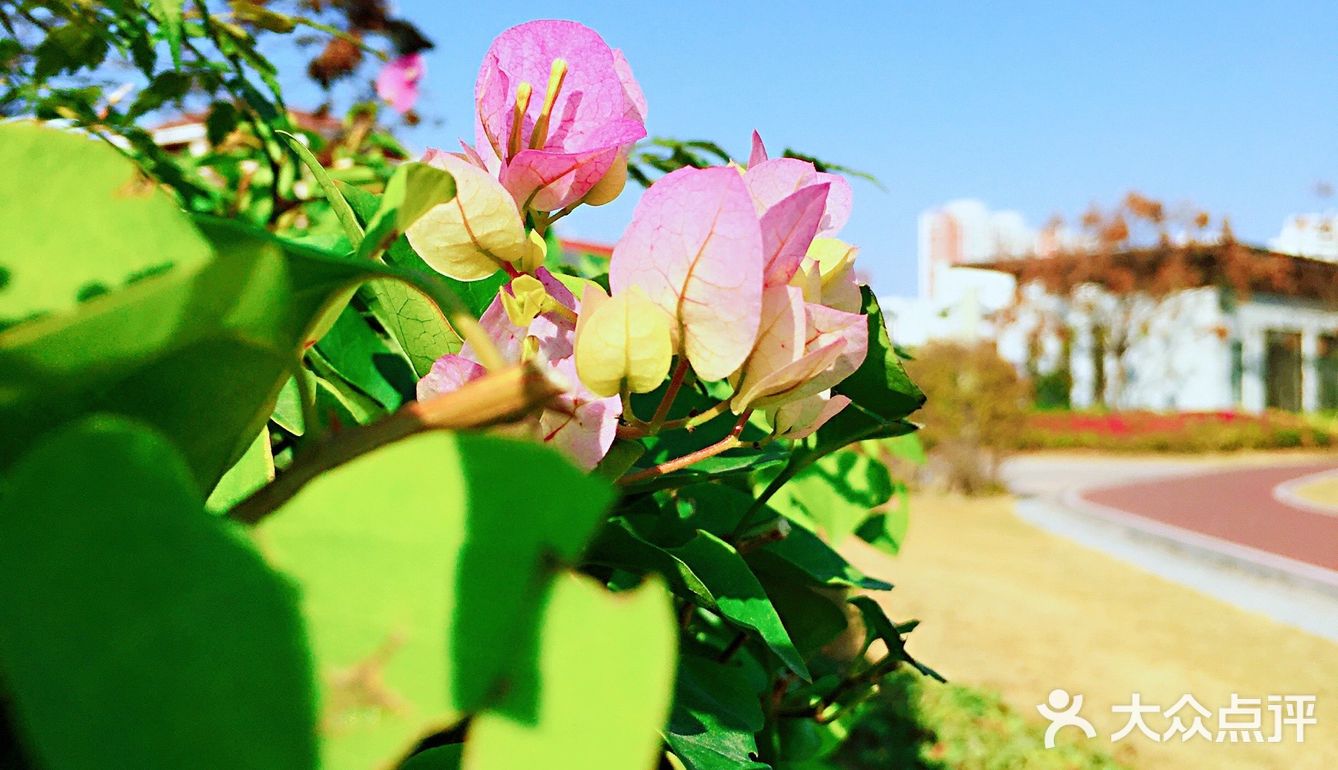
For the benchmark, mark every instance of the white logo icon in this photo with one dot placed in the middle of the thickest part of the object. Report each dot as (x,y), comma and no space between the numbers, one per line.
(1062,711)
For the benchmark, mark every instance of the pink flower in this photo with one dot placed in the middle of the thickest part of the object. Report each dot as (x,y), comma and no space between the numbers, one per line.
(802,350)
(557,112)
(398,82)
(581,424)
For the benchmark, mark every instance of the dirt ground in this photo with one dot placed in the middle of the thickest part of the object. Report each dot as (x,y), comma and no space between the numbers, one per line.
(1011,608)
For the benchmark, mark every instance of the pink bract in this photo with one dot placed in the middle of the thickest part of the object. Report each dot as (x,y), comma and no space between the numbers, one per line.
(449,373)
(788,229)
(399,80)
(694,246)
(772,180)
(599,112)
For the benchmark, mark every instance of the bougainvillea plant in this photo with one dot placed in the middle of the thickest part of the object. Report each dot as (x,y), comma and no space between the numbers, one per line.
(422,495)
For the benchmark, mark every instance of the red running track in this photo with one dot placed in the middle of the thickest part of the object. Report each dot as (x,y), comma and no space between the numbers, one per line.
(1234,505)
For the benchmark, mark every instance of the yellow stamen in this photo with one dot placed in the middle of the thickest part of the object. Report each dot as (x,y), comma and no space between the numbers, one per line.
(523,92)
(555,77)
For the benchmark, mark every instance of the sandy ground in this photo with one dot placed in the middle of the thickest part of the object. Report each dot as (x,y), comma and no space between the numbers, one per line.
(1011,608)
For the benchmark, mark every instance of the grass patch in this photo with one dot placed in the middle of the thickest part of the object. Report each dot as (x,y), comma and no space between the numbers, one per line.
(919,724)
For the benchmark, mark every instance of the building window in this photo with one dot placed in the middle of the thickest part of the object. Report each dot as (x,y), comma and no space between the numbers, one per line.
(1282,371)
(1326,368)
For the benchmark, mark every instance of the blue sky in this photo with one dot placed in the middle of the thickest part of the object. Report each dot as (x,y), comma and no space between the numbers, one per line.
(1040,107)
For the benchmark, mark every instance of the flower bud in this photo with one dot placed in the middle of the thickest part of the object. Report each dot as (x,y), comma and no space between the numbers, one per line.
(621,342)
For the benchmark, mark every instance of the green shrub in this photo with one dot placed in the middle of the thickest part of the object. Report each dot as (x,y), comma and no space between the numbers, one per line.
(976,408)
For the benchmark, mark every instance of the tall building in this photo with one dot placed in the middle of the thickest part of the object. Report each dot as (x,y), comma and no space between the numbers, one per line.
(1308,235)
(962,232)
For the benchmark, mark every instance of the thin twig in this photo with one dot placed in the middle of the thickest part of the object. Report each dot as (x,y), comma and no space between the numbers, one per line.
(494,399)
(723,445)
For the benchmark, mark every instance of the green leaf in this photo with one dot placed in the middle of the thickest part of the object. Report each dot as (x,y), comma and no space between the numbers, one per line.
(419,327)
(835,494)
(419,565)
(602,689)
(364,359)
(710,572)
(886,530)
(254,470)
(168,13)
(440,758)
(342,210)
(135,629)
(880,385)
(68,49)
(808,553)
(412,191)
(620,457)
(906,447)
(813,616)
(200,353)
(79,221)
(878,626)
(715,717)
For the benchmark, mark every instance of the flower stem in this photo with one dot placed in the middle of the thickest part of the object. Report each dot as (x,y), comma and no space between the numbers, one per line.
(499,397)
(670,393)
(723,445)
(695,421)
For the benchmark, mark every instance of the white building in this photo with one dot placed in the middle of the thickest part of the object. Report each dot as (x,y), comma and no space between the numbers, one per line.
(1308,235)
(1201,348)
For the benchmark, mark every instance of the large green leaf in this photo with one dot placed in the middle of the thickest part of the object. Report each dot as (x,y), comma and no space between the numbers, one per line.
(79,220)
(881,385)
(135,629)
(420,565)
(835,494)
(200,353)
(716,717)
(602,689)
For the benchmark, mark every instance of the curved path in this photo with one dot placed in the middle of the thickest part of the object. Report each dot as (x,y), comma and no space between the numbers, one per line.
(1217,526)
(1236,505)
